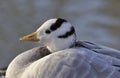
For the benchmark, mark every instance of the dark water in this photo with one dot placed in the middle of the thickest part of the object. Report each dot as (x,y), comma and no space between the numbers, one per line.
(94,20)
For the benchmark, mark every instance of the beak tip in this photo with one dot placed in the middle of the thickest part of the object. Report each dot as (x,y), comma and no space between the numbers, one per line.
(20,39)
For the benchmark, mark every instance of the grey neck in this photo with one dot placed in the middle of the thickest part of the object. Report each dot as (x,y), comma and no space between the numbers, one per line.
(22,61)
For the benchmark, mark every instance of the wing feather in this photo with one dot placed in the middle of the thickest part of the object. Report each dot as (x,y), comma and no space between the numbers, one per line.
(74,63)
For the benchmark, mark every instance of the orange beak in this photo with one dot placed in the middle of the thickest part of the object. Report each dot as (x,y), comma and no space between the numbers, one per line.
(31,37)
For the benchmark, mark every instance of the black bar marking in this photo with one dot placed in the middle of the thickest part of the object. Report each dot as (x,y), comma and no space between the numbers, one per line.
(117,65)
(57,24)
(67,34)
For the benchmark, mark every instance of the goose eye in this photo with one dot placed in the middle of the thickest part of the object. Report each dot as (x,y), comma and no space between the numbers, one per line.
(47,31)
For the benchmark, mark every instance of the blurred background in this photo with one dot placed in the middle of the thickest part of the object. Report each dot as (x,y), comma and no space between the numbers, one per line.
(94,20)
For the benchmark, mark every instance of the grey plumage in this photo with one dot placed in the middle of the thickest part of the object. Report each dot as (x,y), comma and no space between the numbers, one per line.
(84,60)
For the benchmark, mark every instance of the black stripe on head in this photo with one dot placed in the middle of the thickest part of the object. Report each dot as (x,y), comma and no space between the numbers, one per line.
(57,24)
(67,34)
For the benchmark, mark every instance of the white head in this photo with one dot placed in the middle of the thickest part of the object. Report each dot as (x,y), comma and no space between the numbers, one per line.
(56,34)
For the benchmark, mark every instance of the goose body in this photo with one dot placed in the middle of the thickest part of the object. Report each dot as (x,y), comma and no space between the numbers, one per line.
(63,56)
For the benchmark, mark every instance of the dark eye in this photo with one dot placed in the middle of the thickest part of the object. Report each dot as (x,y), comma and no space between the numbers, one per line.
(47,31)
